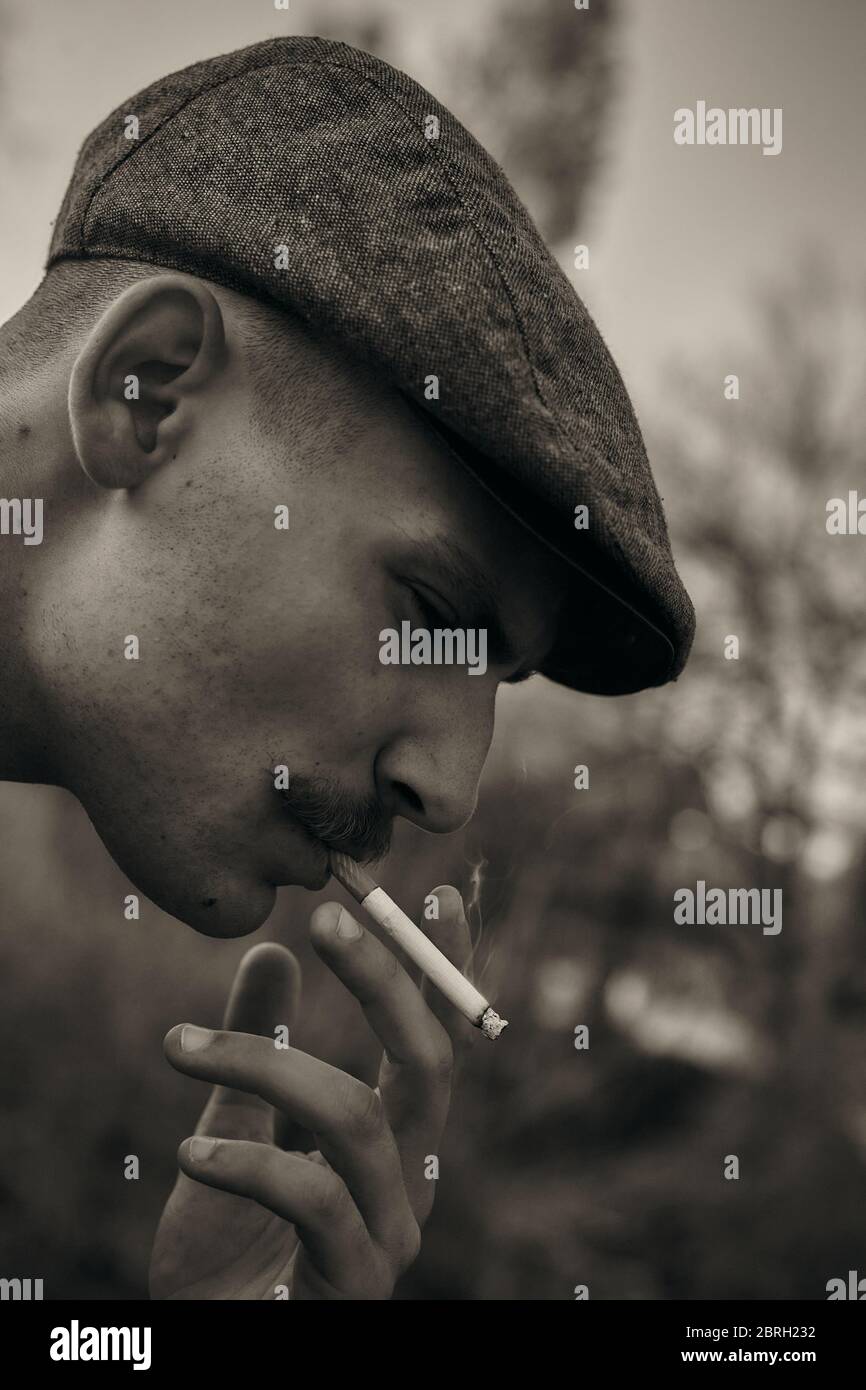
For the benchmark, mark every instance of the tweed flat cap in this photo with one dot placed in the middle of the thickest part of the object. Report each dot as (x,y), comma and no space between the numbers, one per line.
(402,238)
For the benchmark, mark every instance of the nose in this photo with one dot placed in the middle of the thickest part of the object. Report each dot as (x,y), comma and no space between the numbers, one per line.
(429,772)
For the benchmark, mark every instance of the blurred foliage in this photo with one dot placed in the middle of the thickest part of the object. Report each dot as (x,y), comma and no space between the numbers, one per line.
(560,1167)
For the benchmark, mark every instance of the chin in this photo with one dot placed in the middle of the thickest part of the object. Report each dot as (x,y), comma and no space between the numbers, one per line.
(207,892)
(232,913)
(227,909)
(237,911)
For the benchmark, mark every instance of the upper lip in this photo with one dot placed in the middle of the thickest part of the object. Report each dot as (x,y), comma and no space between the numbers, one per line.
(340,846)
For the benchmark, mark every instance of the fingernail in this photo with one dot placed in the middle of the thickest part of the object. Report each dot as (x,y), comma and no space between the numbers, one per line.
(192,1038)
(201,1149)
(347,927)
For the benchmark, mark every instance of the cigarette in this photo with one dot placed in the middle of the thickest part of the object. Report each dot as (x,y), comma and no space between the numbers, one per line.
(418,947)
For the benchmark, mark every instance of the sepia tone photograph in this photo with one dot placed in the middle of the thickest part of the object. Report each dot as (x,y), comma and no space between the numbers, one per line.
(433,713)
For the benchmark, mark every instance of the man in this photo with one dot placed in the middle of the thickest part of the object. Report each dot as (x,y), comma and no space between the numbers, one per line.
(301,376)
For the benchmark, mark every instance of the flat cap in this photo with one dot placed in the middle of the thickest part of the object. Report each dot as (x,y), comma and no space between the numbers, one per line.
(401,237)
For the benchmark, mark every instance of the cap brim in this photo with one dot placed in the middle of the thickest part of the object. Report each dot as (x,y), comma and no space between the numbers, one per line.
(606,646)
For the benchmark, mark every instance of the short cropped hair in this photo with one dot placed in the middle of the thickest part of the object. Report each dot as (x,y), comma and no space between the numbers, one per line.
(296,375)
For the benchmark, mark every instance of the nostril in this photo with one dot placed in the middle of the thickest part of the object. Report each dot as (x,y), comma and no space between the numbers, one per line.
(406,794)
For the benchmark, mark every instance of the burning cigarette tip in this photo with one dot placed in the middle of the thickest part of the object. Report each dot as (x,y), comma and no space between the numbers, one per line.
(491,1024)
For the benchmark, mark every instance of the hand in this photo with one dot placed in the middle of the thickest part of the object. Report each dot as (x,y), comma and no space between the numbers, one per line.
(250,1216)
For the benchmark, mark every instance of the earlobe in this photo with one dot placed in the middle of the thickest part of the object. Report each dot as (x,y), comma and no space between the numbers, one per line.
(137,383)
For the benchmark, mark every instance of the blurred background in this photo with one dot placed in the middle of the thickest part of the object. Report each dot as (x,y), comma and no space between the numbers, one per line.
(560,1167)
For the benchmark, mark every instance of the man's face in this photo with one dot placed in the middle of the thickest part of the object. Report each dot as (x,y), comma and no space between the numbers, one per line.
(259,649)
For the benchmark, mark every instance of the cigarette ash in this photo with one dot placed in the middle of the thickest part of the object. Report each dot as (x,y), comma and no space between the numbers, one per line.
(492,1025)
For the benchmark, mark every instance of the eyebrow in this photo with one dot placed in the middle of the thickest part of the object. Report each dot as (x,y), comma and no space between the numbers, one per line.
(460,568)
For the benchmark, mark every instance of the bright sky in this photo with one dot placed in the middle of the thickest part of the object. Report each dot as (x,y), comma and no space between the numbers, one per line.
(685,233)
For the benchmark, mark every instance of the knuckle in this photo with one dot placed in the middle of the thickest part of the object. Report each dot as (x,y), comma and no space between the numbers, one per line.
(437,1061)
(389,966)
(363,1109)
(328,1196)
(443,1062)
(261,1169)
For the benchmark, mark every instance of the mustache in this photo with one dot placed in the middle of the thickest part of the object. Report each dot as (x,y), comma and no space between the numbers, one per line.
(350,825)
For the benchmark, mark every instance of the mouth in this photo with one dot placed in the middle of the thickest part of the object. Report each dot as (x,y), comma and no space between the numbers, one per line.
(310,865)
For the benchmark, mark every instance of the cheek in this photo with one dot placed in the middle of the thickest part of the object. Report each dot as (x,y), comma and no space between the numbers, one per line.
(327,674)
(308,624)
(272,646)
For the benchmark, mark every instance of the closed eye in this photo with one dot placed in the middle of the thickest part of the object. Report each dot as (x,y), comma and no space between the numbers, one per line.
(432,618)
(430,615)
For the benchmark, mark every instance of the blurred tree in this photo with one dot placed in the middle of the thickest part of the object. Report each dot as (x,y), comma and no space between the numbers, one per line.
(779,735)
(532,82)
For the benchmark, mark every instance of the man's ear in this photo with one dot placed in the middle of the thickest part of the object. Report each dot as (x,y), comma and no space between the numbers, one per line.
(133,389)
